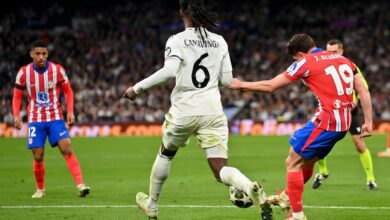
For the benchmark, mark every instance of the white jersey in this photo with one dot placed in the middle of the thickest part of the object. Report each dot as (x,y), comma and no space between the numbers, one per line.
(204,65)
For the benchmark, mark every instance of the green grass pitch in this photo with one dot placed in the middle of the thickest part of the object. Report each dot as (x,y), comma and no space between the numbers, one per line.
(117,168)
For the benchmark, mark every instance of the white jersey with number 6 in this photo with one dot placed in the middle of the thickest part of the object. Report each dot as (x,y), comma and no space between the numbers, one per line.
(204,65)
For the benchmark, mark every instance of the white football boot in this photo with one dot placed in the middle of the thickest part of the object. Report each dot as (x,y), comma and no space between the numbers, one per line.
(143,203)
(39,194)
(259,198)
(83,190)
(281,200)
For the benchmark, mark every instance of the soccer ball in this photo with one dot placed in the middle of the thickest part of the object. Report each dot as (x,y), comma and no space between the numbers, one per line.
(240,198)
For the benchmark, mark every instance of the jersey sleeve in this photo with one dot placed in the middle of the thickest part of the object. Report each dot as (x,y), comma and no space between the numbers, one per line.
(62,77)
(20,82)
(225,75)
(172,49)
(297,70)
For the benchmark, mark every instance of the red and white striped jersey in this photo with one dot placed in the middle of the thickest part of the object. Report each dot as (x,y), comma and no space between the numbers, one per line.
(44,88)
(330,77)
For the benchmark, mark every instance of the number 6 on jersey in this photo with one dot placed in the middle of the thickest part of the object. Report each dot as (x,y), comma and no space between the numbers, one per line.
(197,66)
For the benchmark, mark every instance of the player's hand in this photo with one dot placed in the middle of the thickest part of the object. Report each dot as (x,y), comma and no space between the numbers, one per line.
(236,84)
(18,122)
(366,130)
(70,119)
(130,94)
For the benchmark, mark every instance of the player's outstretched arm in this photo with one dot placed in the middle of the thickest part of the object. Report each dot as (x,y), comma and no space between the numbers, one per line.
(16,103)
(262,86)
(365,99)
(163,75)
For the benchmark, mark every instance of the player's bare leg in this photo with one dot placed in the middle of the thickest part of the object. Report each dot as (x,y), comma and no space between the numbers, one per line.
(158,176)
(233,177)
(365,158)
(299,171)
(39,172)
(65,147)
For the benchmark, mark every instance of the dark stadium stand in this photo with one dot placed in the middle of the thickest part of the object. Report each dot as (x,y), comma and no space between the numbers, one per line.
(104,48)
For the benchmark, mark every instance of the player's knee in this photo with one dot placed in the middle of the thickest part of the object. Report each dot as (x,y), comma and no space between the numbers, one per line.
(65,147)
(168,153)
(66,150)
(293,164)
(38,158)
(288,162)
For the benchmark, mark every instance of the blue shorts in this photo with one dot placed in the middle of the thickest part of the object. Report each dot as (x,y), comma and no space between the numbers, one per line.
(311,142)
(39,131)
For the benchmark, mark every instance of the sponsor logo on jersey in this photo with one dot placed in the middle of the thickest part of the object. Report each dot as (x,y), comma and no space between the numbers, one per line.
(43,100)
(43,105)
(62,133)
(43,97)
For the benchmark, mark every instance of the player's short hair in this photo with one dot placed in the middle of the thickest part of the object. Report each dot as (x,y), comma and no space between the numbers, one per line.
(38,43)
(334,42)
(299,43)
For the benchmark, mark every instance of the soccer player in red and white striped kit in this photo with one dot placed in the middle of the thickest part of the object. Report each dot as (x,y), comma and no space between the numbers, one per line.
(332,78)
(44,81)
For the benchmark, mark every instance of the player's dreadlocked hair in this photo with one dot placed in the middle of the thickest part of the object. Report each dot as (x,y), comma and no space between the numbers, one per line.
(199,15)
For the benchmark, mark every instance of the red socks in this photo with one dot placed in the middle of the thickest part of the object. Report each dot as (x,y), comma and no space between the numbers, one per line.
(39,173)
(74,168)
(295,182)
(307,174)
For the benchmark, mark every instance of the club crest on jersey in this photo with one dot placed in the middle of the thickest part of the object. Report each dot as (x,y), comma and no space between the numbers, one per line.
(51,85)
(337,104)
(43,97)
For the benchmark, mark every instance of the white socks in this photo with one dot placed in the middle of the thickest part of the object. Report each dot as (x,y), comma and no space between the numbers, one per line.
(160,171)
(158,175)
(298,215)
(233,177)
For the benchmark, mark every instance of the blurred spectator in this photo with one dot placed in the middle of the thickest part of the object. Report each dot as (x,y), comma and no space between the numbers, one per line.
(105,48)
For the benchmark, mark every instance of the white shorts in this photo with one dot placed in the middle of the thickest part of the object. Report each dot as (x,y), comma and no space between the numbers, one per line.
(211,132)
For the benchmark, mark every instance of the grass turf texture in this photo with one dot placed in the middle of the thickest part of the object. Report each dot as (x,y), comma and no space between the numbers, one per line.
(117,168)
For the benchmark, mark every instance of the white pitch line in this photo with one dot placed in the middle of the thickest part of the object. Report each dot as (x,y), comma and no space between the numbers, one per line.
(176,206)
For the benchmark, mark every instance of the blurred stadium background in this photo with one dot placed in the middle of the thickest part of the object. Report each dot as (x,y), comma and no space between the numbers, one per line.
(107,45)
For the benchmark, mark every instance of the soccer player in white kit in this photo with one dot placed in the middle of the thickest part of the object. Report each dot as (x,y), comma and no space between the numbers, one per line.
(199,61)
